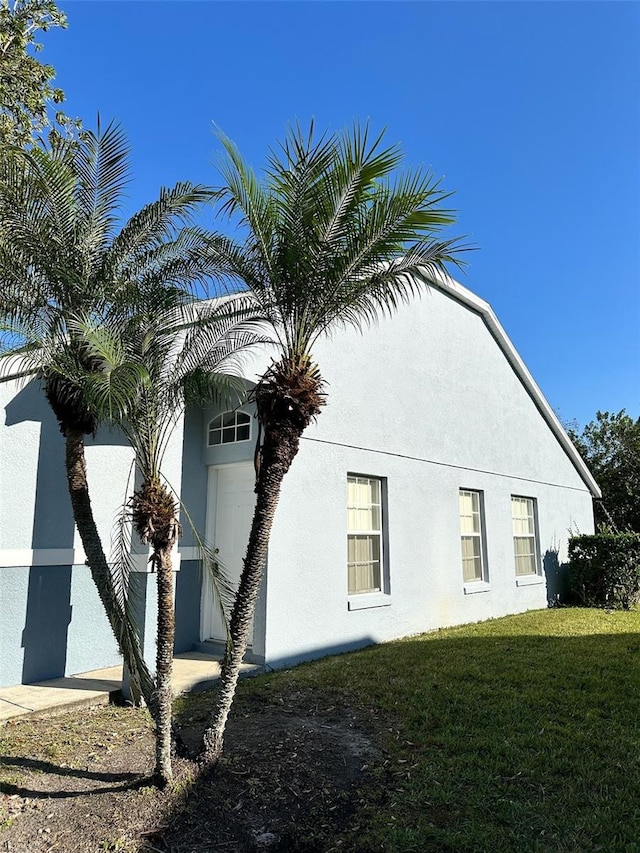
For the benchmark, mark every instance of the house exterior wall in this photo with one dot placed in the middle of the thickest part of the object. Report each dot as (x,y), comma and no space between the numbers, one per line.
(426,401)
(444,411)
(194,498)
(53,623)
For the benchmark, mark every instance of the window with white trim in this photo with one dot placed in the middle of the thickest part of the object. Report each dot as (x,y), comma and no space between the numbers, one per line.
(525,548)
(229,428)
(364,534)
(471,532)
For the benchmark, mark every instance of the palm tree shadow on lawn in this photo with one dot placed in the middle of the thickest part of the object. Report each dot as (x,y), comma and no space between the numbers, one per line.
(386,731)
(49,773)
(361,746)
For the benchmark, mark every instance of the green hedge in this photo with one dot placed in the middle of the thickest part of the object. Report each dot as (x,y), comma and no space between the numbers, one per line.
(604,570)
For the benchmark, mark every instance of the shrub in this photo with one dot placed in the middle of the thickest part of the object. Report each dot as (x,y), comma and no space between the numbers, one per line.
(604,570)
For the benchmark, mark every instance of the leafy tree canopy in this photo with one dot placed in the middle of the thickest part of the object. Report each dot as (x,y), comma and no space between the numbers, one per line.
(26,84)
(610,446)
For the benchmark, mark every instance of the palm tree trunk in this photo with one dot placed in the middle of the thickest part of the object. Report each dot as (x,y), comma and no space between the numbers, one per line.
(124,632)
(155,519)
(278,451)
(164,663)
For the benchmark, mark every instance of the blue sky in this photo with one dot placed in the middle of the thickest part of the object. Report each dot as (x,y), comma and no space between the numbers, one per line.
(530,111)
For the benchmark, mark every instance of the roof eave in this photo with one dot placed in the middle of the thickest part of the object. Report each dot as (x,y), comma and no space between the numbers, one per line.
(457,291)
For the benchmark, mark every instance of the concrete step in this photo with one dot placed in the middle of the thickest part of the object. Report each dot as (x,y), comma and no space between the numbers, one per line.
(216,649)
(192,671)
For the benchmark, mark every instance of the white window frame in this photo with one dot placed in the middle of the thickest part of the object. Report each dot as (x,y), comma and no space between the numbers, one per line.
(378,596)
(531,518)
(475,584)
(218,425)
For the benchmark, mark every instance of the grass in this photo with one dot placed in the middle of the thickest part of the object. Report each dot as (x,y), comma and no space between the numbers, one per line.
(70,740)
(517,734)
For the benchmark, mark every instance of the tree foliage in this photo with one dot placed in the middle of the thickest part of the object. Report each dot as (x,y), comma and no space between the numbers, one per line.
(336,233)
(26,84)
(66,258)
(604,570)
(610,446)
(166,351)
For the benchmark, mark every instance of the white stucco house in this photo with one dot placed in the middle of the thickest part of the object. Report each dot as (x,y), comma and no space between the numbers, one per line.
(437,487)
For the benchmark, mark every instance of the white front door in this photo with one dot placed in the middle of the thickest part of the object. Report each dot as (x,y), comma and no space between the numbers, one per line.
(231,501)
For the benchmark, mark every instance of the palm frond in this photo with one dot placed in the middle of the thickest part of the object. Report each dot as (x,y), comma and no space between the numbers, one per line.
(183,262)
(154,225)
(203,387)
(244,194)
(103,171)
(19,364)
(357,168)
(38,213)
(327,229)
(218,333)
(381,291)
(129,595)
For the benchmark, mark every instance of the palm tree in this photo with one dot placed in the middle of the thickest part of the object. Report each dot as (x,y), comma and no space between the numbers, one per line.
(334,237)
(170,353)
(63,257)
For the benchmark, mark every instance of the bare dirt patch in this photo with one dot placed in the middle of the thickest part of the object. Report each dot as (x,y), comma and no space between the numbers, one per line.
(292,779)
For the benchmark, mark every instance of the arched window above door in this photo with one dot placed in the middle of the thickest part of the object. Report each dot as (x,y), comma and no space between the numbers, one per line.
(229,428)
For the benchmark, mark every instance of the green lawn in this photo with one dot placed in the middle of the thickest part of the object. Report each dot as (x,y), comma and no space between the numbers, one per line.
(511,736)
(518,734)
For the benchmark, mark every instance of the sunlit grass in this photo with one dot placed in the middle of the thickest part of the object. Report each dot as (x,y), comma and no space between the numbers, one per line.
(518,734)
(71,739)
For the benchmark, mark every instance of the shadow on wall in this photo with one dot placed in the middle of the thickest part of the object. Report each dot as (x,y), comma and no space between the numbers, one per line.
(320,652)
(557,575)
(207,683)
(48,607)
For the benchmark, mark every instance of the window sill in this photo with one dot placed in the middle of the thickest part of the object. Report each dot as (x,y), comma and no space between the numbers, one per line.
(529,580)
(472,587)
(367,600)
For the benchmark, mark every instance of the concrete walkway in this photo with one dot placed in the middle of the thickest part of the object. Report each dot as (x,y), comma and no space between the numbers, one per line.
(191,671)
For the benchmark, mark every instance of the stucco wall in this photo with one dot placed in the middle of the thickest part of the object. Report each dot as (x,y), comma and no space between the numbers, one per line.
(425,400)
(194,477)
(188,591)
(428,402)
(52,621)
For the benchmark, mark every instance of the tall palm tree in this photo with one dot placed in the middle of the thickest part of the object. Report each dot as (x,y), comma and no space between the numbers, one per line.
(334,236)
(170,353)
(65,255)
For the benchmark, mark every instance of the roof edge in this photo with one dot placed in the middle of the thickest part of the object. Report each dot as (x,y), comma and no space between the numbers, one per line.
(457,291)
